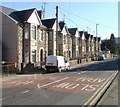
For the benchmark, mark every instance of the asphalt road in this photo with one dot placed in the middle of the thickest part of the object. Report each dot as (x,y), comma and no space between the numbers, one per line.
(80,86)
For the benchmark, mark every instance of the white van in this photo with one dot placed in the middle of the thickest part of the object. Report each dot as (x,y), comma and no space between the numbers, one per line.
(54,63)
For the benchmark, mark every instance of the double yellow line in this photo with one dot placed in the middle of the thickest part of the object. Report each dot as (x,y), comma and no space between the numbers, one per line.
(91,101)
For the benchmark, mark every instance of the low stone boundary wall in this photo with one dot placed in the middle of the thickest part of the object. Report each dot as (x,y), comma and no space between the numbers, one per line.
(9,68)
(80,61)
(73,62)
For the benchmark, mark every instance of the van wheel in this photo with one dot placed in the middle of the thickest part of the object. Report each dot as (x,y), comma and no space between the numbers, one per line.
(68,68)
(59,70)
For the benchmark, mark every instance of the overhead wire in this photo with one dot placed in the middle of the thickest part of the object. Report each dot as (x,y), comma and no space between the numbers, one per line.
(68,18)
(72,21)
(88,20)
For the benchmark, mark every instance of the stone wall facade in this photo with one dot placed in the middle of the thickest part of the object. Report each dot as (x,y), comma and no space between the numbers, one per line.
(19,46)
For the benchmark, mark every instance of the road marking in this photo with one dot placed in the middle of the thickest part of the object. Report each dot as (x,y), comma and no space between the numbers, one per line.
(54,82)
(24,83)
(82,72)
(89,100)
(66,85)
(53,78)
(25,92)
(102,89)
(97,80)
(38,85)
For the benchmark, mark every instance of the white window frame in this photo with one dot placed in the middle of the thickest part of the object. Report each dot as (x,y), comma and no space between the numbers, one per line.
(33,29)
(26,56)
(41,35)
(26,32)
(33,53)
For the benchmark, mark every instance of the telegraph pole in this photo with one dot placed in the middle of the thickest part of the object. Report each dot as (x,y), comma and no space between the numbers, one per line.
(96,41)
(44,9)
(56,30)
(96,29)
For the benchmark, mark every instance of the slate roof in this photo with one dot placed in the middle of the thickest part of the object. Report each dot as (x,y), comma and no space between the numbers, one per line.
(6,10)
(87,36)
(22,16)
(99,39)
(91,36)
(95,38)
(48,22)
(72,31)
(85,32)
(81,33)
(61,24)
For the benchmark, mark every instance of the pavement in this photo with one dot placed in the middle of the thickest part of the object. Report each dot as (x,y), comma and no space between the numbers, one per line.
(5,78)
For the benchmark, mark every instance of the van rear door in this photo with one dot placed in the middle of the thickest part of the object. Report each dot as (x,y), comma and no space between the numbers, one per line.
(51,61)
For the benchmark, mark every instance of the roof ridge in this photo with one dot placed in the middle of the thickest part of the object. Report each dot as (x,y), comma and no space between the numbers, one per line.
(22,15)
(24,10)
(49,19)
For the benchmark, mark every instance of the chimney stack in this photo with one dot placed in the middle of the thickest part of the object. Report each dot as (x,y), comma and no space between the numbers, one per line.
(41,14)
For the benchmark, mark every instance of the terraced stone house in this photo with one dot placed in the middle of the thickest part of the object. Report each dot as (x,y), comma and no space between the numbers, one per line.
(75,41)
(50,24)
(27,41)
(64,41)
(91,45)
(83,44)
(29,38)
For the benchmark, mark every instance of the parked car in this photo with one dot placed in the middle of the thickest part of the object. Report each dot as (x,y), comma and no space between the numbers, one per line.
(101,57)
(56,63)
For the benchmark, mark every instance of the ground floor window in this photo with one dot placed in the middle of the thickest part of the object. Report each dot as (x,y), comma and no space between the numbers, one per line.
(33,55)
(41,55)
(26,56)
(69,54)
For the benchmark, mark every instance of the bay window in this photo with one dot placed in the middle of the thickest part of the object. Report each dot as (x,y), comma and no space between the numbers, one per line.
(33,32)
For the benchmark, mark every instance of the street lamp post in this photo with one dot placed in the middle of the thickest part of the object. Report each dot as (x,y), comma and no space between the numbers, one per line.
(96,41)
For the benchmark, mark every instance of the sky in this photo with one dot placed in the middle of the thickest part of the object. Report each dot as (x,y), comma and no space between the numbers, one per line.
(81,15)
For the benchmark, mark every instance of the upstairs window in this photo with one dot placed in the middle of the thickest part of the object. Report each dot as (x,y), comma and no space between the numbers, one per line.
(33,32)
(26,30)
(41,35)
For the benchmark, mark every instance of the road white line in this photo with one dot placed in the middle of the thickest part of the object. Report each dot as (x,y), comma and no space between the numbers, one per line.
(38,85)
(82,72)
(54,82)
(24,83)
(25,92)
(53,78)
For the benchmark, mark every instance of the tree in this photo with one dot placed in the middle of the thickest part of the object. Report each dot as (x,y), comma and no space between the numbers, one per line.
(105,44)
(112,44)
